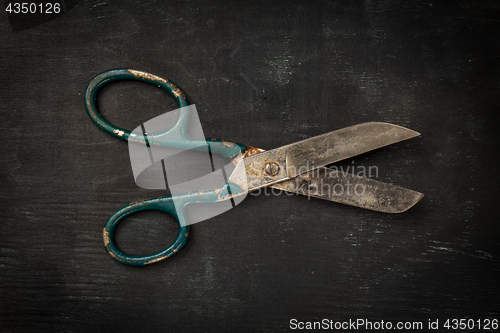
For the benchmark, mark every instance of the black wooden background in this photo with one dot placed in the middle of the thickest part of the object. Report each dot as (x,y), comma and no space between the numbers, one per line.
(264,74)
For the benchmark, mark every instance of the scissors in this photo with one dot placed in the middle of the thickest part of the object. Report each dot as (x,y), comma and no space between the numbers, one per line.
(298,167)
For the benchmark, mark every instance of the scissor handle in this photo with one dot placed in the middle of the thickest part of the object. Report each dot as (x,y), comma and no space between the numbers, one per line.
(124,74)
(164,204)
(174,137)
(167,205)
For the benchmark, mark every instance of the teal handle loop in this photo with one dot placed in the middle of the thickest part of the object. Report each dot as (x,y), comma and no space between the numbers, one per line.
(124,74)
(164,204)
(167,205)
(176,136)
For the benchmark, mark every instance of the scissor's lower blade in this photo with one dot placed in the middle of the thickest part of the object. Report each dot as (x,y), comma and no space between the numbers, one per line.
(334,185)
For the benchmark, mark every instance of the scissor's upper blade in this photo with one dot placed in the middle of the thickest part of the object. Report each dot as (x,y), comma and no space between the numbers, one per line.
(338,145)
(303,156)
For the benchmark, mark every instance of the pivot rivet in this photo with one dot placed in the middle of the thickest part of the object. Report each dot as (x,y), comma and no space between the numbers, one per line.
(272,169)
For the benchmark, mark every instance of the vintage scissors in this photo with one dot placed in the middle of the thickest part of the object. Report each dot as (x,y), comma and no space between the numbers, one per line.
(297,167)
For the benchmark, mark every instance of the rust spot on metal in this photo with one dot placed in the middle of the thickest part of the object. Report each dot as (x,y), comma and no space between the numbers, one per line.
(227,143)
(105,237)
(200,192)
(249,151)
(175,250)
(146,76)
(186,234)
(253,171)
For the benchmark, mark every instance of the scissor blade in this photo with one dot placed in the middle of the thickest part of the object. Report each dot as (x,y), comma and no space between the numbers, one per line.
(337,186)
(338,145)
(303,156)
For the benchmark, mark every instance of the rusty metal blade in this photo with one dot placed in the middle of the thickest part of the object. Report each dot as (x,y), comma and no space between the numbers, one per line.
(338,145)
(337,186)
(303,156)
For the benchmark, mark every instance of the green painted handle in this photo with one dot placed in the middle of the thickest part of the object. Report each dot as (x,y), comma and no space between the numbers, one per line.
(165,204)
(124,74)
(175,137)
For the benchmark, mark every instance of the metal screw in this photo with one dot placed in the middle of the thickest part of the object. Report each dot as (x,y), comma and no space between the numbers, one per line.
(272,169)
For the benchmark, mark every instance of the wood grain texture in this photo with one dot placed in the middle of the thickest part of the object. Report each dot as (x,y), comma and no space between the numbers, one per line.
(263,74)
